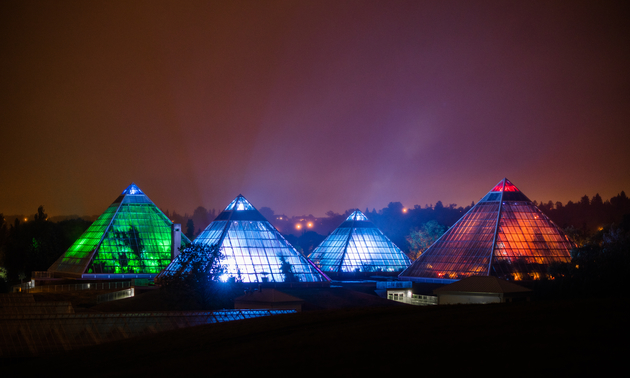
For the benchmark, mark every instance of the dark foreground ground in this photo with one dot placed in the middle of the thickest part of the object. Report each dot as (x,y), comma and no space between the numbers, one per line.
(562,338)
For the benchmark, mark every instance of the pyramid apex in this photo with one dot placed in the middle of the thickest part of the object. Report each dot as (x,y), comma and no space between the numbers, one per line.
(357,215)
(240,203)
(505,186)
(132,189)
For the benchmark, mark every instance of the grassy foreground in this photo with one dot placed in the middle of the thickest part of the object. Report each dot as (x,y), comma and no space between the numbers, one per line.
(580,337)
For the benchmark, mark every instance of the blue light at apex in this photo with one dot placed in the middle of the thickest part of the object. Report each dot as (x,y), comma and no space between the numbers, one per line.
(240,203)
(132,189)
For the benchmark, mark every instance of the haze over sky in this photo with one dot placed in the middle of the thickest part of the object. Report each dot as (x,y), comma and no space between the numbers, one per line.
(310,106)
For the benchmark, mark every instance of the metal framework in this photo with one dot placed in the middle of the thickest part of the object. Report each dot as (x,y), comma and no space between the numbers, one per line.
(253,249)
(503,235)
(131,239)
(358,246)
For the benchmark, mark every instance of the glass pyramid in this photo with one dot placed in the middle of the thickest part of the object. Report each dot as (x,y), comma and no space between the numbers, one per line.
(254,250)
(132,237)
(503,235)
(357,245)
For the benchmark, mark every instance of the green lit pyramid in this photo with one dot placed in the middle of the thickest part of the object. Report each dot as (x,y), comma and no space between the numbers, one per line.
(358,246)
(504,235)
(132,238)
(254,250)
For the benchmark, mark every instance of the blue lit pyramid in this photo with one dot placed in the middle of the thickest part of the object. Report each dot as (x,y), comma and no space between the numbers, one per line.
(254,250)
(132,238)
(358,246)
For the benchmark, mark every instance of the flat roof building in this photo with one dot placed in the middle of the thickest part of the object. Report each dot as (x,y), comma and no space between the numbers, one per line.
(481,289)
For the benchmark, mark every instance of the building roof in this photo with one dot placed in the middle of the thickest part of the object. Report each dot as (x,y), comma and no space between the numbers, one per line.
(268,296)
(254,250)
(132,236)
(357,245)
(482,284)
(503,235)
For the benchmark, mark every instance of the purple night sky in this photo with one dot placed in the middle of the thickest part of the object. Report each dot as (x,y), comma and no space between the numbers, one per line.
(310,106)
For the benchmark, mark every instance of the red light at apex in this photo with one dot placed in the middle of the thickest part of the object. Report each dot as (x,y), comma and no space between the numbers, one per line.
(508,187)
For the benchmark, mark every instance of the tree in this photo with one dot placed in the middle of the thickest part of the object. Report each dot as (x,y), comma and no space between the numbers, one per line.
(599,266)
(201,217)
(133,240)
(597,201)
(421,239)
(200,283)
(287,269)
(267,212)
(41,216)
(190,229)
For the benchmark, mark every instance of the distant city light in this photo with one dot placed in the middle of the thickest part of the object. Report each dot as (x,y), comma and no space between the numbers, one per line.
(310,224)
(404,209)
(298,226)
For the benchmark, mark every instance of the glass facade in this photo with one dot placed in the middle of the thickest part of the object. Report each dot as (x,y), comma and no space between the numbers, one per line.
(504,235)
(254,250)
(131,237)
(357,245)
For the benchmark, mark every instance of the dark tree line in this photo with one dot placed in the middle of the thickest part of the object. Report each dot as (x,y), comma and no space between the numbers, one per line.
(195,223)
(598,266)
(396,222)
(35,245)
(588,215)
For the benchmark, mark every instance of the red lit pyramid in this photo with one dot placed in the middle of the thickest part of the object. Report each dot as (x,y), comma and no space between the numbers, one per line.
(504,235)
